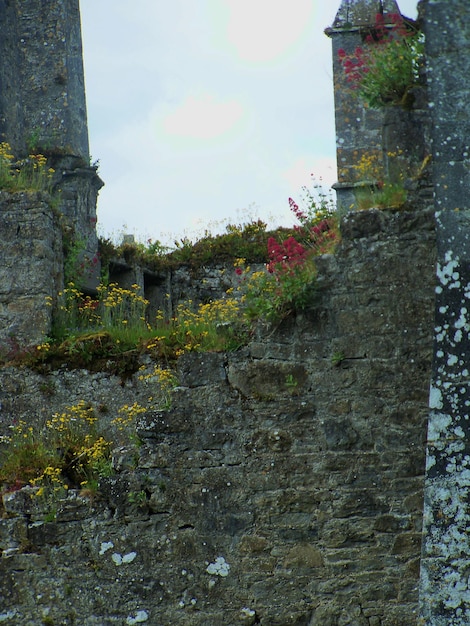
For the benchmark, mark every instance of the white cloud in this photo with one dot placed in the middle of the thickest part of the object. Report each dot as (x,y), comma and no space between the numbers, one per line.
(262,31)
(319,170)
(203,116)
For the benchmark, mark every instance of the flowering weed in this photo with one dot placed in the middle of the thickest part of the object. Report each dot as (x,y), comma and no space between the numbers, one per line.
(380,190)
(382,71)
(68,452)
(30,174)
(212,326)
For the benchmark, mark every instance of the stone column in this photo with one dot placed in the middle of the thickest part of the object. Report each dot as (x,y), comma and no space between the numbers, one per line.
(358,129)
(43,110)
(445,565)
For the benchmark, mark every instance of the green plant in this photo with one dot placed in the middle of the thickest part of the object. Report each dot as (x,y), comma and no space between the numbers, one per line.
(125,421)
(247,240)
(291,384)
(68,451)
(213,326)
(32,141)
(286,285)
(30,174)
(337,358)
(163,381)
(119,311)
(383,71)
(380,189)
(138,498)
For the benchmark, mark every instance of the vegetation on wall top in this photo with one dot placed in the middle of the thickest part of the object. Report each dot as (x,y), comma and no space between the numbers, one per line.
(383,71)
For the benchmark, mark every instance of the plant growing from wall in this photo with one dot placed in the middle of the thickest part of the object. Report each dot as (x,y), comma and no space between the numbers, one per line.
(383,70)
(79,266)
(30,174)
(378,190)
(286,284)
(69,451)
(212,326)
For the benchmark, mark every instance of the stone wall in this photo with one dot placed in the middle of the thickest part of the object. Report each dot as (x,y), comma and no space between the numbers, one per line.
(31,267)
(284,485)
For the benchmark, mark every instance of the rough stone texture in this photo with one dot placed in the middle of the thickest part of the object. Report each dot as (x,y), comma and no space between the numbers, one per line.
(445,588)
(31,267)
(284,485)
(42,91)
(360,13)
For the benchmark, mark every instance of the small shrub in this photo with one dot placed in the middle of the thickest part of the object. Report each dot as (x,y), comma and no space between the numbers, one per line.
(383,71)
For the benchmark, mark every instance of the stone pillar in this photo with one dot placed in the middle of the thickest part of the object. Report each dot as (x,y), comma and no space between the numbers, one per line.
(445,565)
(43,109)
(361,130)
(358,129)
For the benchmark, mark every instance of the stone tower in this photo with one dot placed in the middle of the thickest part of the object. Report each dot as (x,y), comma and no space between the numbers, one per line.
(42,101)
(359,130)
(43,110)
(42,92)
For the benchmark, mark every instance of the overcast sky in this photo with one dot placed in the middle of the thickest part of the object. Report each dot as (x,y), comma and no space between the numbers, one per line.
(203,112)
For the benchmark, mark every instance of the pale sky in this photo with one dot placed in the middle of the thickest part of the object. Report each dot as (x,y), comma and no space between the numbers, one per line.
(205,112)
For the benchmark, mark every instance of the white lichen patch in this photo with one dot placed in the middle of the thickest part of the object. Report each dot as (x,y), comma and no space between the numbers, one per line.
(105,546)
(140,618)
(430,461)
(446,273)
(123,560)
(219,568)
(246,612)
(435,398)
(438,426)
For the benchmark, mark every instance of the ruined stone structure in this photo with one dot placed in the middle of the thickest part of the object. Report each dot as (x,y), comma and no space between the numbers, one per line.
(285,485)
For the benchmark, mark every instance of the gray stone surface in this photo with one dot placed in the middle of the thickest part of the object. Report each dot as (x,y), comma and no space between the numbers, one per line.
(30,269)
(445,591)
(42,91)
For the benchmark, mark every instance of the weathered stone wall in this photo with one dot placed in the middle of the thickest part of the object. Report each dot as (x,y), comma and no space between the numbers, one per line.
(284,486)
(30,269)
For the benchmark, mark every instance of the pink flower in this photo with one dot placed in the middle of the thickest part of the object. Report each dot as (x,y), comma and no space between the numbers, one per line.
(299,214)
